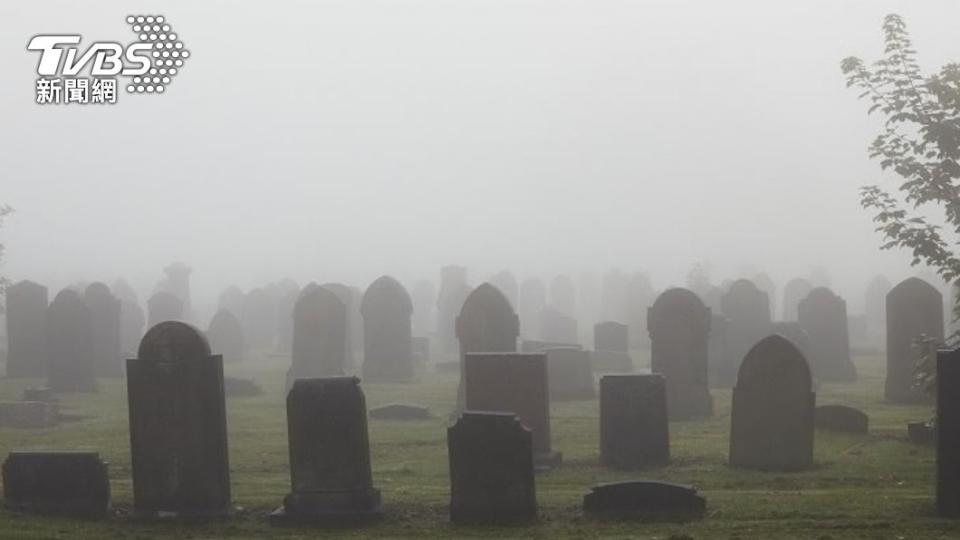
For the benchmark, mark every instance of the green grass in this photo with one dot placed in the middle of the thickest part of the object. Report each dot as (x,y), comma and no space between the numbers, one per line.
(876,486)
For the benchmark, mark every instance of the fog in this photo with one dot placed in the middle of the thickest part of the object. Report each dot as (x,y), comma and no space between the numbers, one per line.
(339,141)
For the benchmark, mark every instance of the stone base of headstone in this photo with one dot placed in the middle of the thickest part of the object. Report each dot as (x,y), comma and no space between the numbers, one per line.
(328,508)
(29,414)
(840,418)
(645,499)
(57,483)
(611,362)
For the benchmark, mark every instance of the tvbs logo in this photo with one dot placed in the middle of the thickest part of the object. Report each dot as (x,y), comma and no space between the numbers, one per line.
(149,63)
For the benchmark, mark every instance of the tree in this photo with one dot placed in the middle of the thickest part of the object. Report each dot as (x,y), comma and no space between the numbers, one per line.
(920,142)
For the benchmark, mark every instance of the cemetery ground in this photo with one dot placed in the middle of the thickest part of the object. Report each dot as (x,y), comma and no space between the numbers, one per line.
(870,486)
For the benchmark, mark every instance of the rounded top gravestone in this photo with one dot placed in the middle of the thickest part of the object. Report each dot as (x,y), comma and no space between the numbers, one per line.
(682,304)
(173,342)
(386,293)
(776,365)
(487,315)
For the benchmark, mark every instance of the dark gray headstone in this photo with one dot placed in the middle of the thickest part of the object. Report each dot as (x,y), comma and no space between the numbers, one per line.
(679,327)
(107,331)
(491,470)
(57,483)
(841,418)
(645,500)
(70,360)
(514,383)
(793,331)
(330,471)
(948,433)
(386,309)
(163,306)
(26,330)
(319,335)
(634,431)
(914,309)
(771,423)
(226,337)
(570,374)
(823,315)
(487,323)
(178,424)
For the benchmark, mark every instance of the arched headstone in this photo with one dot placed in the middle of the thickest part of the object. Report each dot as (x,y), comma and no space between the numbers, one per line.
(748,311)
(823,315)
(70,352)
(105,312)
(914,309)
(225,335)
(487,323)
(387,344)
(771,422)
(319,335)
(26,330)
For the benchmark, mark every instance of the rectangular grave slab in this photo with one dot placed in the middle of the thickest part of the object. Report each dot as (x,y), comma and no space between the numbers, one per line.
(29,414)
(634,430)
(57,483)
(645,499)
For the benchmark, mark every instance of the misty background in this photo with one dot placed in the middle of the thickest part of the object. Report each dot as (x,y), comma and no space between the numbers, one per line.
(339,141)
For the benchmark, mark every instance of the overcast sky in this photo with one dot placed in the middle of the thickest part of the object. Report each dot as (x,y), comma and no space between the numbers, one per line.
(344,140)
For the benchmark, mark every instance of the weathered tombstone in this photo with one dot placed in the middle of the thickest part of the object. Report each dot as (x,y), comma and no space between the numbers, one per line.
(841,418)
(453,292)
(29,414)
(611,342)
(330,473)
(795,333)
(57,483)
(515,383)
(163,306)
(557,327)
(319,335)
(107,333)
(570,374)
(400,411)
(487,323)
(387,343)
(646,500)
(748,309)
(26,330)
(226,338)
(132,320)
(914,309)
(771,423)
(70,360)
(823,315)
(679,327)
(258,317)
(640,296)
(948,433)
(231,299)
(563,295)
(491,470)
(795,290)
(178,425)
(533,298)
(634,431)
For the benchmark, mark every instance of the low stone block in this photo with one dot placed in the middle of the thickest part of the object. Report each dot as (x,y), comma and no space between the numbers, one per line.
(29,414)
(57,483)
(645,499)
(841,418)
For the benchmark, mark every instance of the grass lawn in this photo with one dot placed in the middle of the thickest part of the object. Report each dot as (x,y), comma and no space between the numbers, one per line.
(876,486)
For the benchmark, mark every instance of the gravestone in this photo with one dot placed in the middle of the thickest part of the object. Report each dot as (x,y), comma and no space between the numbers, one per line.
(823,315)
(794,332)
(387,343)
(107,332)
(258,317)
(748,311)
(611,342)
(453,292)
(514,383)
(948,433)
(557,327)
(330,473)
(487,323)
(570,374)
(634,431)
(163,306)
(132,321)
(841,418)
(914,309)
(679,327)
(875,309)
(71,484)
(771,423)
(319,335)
(226,338)
(646,500)
(795,290)
(26,330)
(533,298)
(178,425)
(351,301)
(491,470)
(70,360)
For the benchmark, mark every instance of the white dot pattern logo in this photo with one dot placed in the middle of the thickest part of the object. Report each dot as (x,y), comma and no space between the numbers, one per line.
(168,51)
